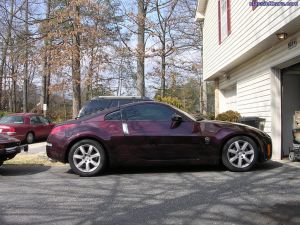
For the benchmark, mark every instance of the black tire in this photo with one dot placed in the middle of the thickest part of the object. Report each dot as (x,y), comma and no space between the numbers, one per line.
(30,138)
(1,163)
(234,155)
(85,166)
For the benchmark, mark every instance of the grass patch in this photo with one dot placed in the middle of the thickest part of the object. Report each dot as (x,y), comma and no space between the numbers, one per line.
(39,159)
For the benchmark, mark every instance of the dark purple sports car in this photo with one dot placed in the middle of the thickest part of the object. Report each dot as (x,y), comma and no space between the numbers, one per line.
(154,133)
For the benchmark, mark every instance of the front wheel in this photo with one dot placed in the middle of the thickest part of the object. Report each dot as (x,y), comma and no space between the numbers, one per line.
(240,154)
(87,158)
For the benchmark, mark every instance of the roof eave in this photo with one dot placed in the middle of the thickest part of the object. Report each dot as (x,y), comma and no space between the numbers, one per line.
(201,9)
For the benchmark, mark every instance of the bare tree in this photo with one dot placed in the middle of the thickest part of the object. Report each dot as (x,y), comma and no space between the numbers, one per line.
(25,84)
(141,18)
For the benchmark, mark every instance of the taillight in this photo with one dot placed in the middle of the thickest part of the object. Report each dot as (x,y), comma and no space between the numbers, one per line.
(8,130)
(61,128)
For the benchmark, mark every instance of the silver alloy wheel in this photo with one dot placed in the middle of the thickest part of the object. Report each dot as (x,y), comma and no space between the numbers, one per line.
(86,158)
(240,154)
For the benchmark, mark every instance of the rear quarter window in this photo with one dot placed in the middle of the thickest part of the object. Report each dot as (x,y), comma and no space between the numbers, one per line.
(113,116)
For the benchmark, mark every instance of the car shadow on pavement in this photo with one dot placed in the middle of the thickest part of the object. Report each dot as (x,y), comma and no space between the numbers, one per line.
(270,165)
(160,169)
(21,170)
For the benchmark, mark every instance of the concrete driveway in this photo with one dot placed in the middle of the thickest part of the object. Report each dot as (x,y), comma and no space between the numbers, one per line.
(168,195)
(39,147)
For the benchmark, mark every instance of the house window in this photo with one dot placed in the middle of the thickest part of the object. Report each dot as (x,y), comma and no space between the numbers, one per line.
(224,19)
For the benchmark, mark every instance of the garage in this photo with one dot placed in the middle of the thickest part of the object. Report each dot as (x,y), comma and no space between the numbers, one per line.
(290,103)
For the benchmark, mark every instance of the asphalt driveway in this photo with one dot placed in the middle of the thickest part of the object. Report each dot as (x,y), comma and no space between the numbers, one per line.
(193,195)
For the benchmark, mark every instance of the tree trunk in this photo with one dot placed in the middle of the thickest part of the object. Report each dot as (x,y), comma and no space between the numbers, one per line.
(163,70)
(76,80)
(89,86)
(140,77)
(7,41)
(25,84)
(14,95)
(46,68)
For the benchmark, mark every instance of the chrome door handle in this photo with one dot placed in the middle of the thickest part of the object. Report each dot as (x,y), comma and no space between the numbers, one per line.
(125,128)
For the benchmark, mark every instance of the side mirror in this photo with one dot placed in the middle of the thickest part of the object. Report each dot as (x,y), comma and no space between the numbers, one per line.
(176,121)
(176,118)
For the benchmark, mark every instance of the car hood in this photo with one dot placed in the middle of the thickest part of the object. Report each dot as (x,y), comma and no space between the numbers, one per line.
(217,124)
(5,139)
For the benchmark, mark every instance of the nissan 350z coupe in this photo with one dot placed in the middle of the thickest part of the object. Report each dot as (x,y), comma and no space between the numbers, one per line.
(154,133)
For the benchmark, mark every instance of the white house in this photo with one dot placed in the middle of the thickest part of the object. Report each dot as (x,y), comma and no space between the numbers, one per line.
(253,55)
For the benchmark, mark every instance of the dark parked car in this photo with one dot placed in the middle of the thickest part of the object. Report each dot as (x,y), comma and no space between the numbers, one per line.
(26,126)
(105,102)
(10,147)
(154,133)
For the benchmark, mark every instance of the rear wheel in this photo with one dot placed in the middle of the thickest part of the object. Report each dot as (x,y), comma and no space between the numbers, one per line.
(240,154)
(87,158)
(1,163)
(30,138)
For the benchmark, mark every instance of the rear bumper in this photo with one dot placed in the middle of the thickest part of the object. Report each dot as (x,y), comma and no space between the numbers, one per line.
(13,150)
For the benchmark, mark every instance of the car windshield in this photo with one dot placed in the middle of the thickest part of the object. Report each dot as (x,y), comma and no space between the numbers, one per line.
(11,120)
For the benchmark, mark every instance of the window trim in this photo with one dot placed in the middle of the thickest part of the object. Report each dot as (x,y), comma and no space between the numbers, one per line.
(172,108)
(117,111)
(228,18)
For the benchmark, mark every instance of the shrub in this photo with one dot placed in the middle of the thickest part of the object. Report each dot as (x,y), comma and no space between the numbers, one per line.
(231,116)
(170,100)
(3,113)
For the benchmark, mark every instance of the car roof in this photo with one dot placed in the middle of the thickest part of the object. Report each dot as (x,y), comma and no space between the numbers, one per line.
(24,114)
(120,97)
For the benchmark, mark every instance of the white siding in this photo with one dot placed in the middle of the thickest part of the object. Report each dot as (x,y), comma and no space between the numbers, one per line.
(229,99)
(249,28)
(253,95)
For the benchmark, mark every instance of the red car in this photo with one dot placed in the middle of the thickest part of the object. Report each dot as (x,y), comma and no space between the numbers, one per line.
(26,127)
(10,147)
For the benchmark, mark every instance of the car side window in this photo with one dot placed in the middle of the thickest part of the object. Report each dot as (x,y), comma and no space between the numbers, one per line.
(113,116)
(35,120)
(43,120)
(146,112)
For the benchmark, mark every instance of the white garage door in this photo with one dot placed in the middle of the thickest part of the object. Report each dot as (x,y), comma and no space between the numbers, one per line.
(229,99)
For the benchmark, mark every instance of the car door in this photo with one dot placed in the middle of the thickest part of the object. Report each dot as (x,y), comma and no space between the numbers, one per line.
(46,125)
(37,126)
(149,128)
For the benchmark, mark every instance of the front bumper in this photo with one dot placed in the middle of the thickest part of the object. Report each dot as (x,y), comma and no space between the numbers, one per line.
(13,150)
